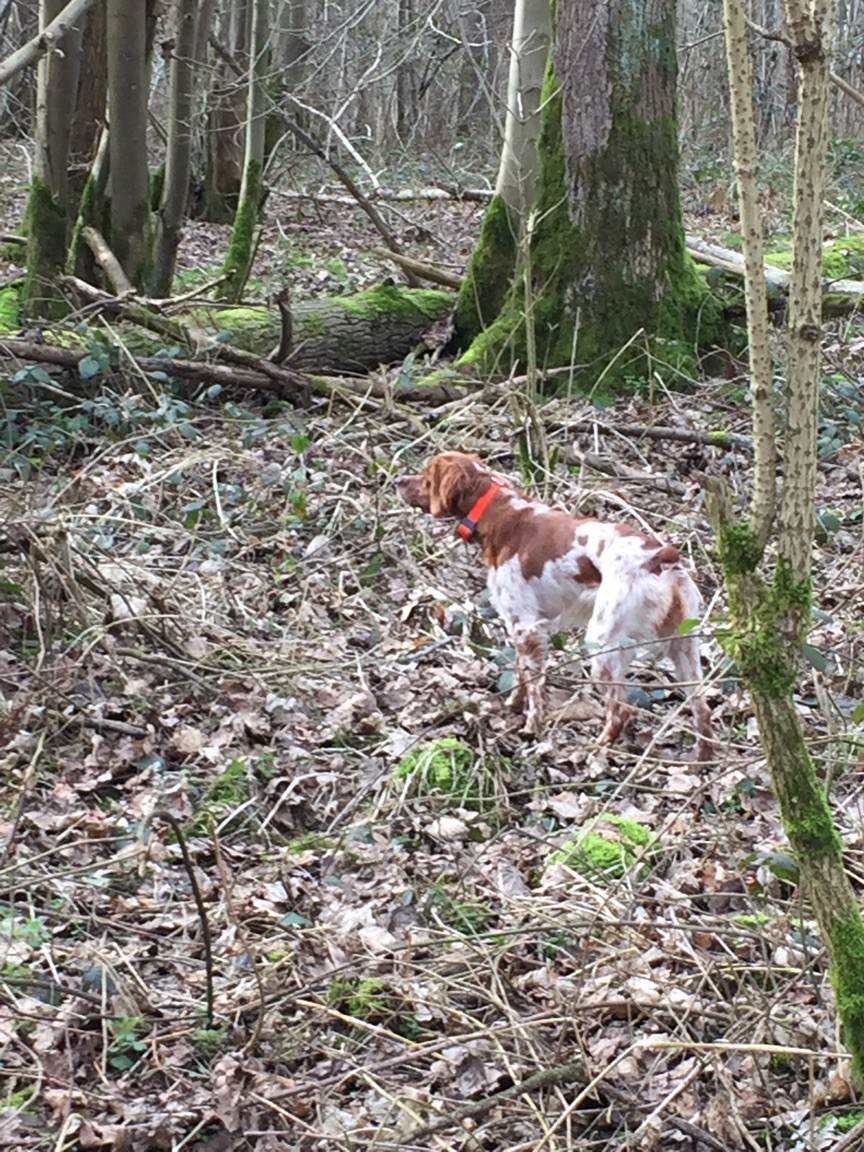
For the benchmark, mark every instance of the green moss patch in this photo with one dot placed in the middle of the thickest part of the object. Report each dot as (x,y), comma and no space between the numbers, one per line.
(842,259)
(449,770)
(607,846)
(9,311)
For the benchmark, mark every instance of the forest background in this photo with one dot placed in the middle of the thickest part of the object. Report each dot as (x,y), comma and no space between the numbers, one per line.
(277,870)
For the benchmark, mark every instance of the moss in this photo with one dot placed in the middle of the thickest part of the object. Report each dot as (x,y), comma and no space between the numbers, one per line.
(739,549)
(590,292)
(846,947)
(9,311)
(46,226)
(490,271)
(842,259)
(443,767)
(397,301)
(609,844)
(157,185)
(241,249)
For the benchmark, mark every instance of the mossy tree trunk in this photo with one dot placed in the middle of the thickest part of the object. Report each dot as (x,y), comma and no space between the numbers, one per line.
(48,208)
(770,610)
(493,263)
(610,284)
(241,249)
(129,179)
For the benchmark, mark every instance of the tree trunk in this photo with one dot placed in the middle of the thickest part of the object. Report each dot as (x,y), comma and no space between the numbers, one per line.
(493,263)
(770,618)
(606,262)
(241,250)
(129,182)
(178,156)
(92,89)
(227,117)
(48,205)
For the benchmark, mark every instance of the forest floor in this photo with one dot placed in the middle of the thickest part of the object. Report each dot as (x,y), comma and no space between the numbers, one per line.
(278,870)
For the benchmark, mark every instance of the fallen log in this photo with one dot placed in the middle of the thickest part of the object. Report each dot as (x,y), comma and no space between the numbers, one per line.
(776,279)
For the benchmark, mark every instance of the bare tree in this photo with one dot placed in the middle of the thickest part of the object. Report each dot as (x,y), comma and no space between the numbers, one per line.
(242,247)
(493,262)
(48,204)
(770,601)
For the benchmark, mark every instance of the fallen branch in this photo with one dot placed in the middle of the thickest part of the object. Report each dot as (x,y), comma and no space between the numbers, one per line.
(776,279)
(285,384)
(713,439)
(201,371)
(421,269)
(140,314)
(107,261)
(622,472)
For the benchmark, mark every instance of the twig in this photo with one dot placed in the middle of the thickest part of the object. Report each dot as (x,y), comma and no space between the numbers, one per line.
(713,439)
(564,1074)
(22,797)
(206,939)
(252,1043)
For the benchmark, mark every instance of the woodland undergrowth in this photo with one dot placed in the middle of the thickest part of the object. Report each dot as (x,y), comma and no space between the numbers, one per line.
(221,638)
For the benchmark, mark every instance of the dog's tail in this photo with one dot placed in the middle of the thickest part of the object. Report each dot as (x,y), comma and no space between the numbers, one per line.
(665,557)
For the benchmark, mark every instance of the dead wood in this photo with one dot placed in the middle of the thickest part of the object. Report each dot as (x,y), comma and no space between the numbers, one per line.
(422,269)
(620,471)
(713,439)
(106,260)
(285,384)
(776,279)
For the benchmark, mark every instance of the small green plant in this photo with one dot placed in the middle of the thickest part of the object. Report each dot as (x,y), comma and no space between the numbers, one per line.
(461,913)
(606,846)
(364,998)
(209,1041)
(229,790)
(127,1044)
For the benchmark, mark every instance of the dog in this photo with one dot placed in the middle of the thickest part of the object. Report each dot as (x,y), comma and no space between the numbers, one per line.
(550,572)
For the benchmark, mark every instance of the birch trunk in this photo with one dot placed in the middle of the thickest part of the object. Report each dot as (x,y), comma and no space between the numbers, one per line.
(493,263)
(241,249)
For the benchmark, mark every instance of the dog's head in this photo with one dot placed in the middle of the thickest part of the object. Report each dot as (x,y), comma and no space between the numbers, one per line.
(449,485)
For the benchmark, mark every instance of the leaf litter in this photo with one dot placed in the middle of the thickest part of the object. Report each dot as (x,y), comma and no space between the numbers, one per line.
(244,636)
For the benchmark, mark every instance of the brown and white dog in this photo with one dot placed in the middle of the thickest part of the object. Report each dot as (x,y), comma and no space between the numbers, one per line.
(552,572)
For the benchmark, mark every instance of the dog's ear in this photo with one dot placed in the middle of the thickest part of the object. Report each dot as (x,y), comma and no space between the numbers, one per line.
(454,482)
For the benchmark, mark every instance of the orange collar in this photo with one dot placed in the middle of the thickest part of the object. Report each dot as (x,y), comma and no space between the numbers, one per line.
(467,526)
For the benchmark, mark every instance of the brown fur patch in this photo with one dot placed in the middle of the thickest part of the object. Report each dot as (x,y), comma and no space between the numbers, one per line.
(587,573)
(673,618)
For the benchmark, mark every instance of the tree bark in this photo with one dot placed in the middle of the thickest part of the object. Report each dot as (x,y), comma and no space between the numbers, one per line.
(129,180)
(770,617)
(761,364)
(178,156)
(606,262)
(48,203)
(241,250)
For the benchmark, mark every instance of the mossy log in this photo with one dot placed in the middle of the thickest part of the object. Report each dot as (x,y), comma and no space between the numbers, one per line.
(336,334)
